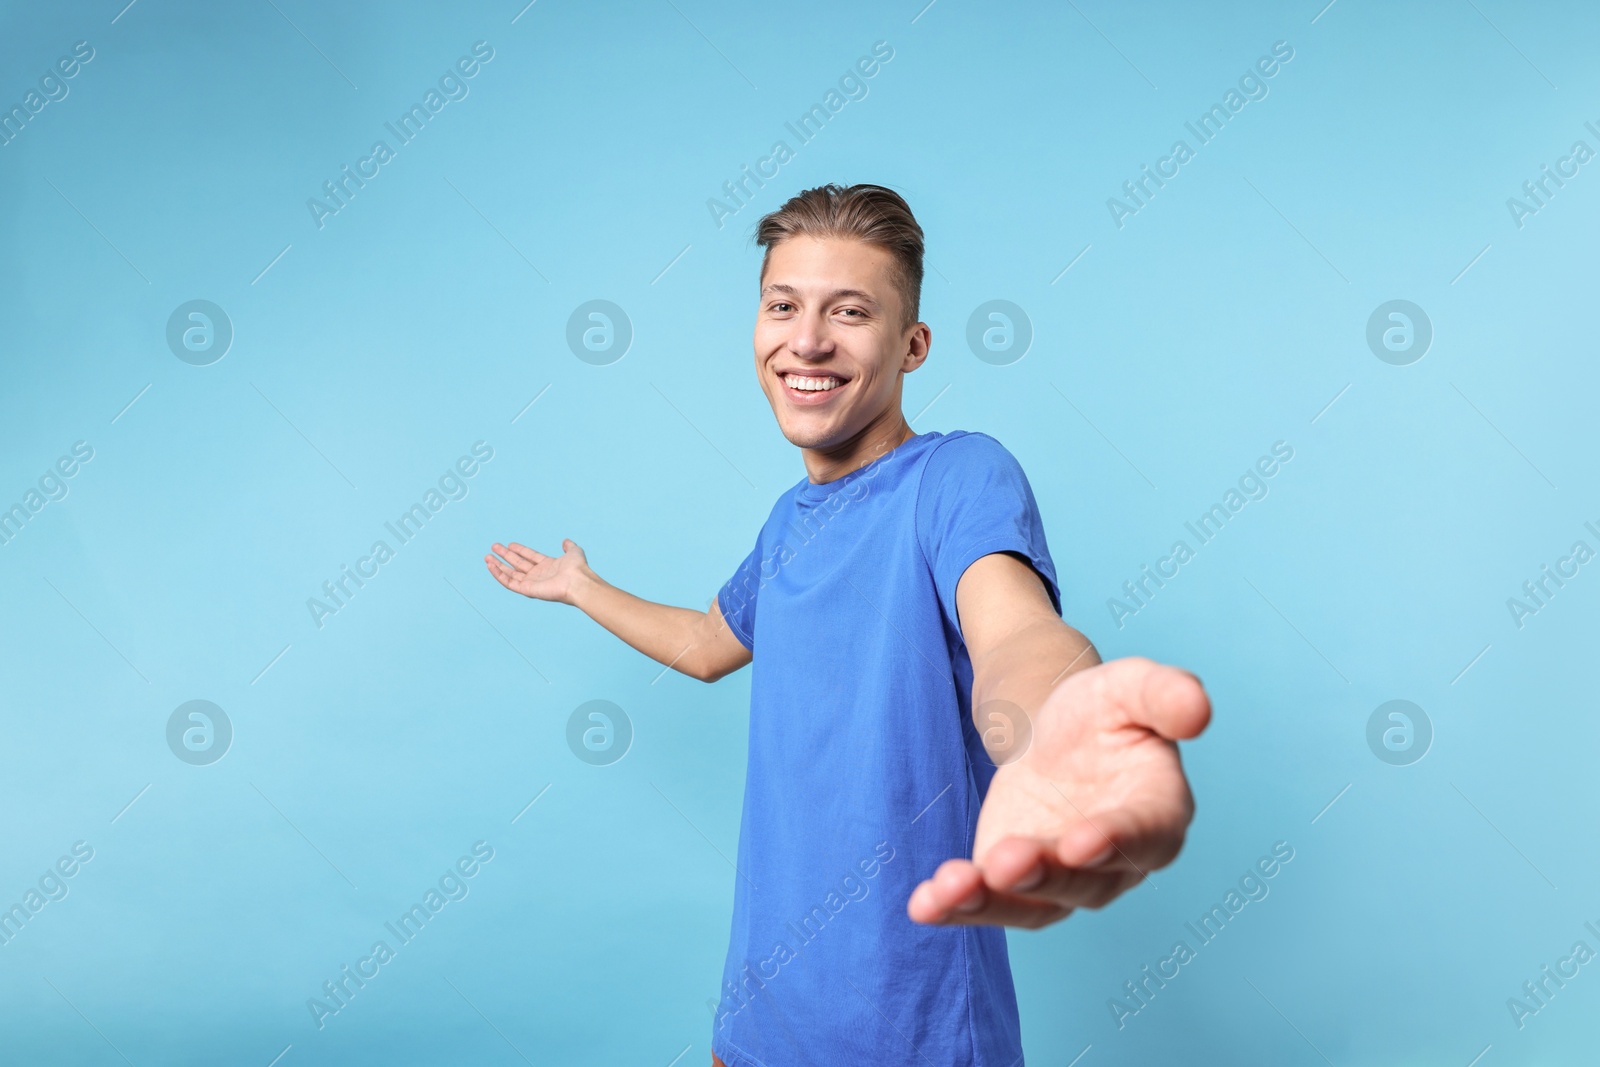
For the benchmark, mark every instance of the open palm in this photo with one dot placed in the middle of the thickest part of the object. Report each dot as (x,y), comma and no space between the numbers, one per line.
(1096,801)
(522,570)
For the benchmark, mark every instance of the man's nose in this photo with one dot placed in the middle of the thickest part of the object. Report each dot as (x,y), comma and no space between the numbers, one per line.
(810,339)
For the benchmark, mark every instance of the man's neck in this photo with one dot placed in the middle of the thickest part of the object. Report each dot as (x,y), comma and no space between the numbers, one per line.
(884,434)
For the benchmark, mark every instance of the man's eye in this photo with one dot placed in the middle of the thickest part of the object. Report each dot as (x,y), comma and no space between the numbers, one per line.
(853,311)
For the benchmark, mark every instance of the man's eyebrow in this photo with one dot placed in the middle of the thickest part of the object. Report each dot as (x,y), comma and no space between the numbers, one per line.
(855,294)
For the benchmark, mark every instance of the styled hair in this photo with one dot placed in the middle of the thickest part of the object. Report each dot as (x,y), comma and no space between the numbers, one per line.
(869,213)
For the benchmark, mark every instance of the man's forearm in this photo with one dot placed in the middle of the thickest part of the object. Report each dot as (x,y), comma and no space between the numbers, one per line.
(676,637)
(1028,664)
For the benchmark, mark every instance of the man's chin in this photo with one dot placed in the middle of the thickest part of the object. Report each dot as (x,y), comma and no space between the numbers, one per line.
(814,442)
(812,437)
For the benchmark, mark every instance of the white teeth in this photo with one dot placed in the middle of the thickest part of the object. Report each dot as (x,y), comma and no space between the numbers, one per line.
(811,385)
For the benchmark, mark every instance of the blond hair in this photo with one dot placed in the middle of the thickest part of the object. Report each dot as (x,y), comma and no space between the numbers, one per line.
(869,213)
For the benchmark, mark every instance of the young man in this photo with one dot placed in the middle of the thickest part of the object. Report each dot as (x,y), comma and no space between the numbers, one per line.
(916,697)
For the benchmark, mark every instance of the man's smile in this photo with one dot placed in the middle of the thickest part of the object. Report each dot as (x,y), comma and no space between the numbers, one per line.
(810,387)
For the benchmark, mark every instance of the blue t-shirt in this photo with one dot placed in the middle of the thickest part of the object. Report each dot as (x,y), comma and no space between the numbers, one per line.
(865,771)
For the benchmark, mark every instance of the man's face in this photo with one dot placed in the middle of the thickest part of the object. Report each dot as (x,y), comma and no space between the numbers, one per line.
(829,344)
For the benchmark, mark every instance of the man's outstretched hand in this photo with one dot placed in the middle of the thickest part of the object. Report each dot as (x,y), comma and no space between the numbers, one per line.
(522,570)
(695,643)
(1096,801)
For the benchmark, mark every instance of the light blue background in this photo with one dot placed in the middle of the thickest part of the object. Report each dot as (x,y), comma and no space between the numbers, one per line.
(1223,317)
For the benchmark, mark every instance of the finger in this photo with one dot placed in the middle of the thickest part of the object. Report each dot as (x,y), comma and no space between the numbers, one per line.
(1031,869)
(956,884)
(1165,699)
(504,558)
(522,551)
(521,556)
(1174,703)
(1140,836)
(1034,867)
(501,574)
(502,555)
(1006,909)
(958,898)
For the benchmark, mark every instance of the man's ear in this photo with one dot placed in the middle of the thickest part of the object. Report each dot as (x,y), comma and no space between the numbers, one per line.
(917,346)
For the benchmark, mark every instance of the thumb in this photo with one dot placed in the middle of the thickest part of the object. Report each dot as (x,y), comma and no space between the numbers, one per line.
(1175,703)
(1167,700)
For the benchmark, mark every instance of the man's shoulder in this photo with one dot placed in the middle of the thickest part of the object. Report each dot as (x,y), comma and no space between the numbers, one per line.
(963,452)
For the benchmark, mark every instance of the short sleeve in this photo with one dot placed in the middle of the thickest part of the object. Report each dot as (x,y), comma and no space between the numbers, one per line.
(974,500)
(737,598)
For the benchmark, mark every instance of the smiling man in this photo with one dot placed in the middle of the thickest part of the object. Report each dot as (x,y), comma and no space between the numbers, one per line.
(934,754)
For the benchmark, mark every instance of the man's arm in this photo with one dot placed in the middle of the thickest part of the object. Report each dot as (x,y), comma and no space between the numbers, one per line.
(696,643)
(1097,798)
(1018,644)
